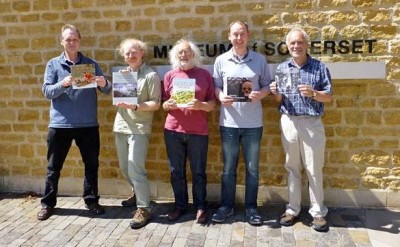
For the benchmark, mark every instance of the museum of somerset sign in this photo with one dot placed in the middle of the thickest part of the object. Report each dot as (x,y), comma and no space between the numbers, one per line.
(316,47)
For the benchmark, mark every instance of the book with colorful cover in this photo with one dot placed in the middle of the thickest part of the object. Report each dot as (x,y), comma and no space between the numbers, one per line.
(287,80)
(183,91)
(83,74)
(124,87)
(239,88)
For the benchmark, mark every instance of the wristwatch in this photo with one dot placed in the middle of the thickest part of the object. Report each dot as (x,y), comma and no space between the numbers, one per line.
(314,94)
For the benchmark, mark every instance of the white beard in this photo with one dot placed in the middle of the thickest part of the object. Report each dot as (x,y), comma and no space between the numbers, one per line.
(186,64)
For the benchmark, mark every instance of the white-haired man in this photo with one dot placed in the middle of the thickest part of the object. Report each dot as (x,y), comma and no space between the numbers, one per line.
(303,134)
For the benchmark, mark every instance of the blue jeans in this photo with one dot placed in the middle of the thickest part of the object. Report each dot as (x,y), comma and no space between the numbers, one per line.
(249,140)
(181,146)
(59,142)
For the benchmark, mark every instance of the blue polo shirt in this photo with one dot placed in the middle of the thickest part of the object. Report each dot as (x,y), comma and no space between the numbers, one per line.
(253,67)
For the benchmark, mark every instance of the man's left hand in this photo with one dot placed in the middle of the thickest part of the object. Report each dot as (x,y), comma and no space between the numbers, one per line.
(100,81)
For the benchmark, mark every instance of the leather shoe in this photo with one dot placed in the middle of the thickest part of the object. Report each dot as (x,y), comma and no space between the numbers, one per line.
(95,208)
(175,214)
(201,216)
(319,224)
(287,219)
(130,202)
(45,213)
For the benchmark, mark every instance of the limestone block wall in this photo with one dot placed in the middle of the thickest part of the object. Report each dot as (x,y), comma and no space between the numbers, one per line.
(362,123)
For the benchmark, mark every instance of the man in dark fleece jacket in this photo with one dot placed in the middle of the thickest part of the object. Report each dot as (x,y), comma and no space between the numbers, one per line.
(73,116)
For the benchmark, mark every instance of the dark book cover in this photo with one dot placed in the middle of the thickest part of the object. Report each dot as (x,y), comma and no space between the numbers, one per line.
(239,88)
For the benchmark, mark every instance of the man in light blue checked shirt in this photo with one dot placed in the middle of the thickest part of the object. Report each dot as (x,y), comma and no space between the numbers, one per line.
(303,134)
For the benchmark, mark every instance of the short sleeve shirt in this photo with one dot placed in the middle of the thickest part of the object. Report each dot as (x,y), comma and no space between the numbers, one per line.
(314,73)
(252,67)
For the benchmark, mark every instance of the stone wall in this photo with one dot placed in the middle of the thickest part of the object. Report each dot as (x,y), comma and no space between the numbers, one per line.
(362,123)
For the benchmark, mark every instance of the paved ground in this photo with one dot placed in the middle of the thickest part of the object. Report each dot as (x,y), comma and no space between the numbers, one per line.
(73,225)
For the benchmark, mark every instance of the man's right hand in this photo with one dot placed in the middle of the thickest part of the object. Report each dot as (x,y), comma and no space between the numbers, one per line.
(226,100)
(273,87)
(67,81)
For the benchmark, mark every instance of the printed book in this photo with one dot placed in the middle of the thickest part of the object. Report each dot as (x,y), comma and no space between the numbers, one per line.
(287,80)
(83,75)
(183,91)
(239,88)
(124,87)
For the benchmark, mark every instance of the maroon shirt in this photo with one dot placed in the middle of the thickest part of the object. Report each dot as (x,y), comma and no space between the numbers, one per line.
(185,120)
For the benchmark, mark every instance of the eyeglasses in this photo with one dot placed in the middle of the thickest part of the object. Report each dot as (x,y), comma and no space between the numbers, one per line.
(131,53)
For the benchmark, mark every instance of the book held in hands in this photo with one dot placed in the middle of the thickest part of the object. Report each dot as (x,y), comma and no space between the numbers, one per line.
(239,88)
(83,75)
(124,87)
(183,91)
(287,80)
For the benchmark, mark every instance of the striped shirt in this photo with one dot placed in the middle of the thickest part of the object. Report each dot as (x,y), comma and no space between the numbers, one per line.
(314,73)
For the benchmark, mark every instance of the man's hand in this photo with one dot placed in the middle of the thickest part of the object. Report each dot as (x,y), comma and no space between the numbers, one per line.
(255,95)
(226,100)
(100,81)
(169,105)
(194,104)
(67,81)
(306,90)
(274,88)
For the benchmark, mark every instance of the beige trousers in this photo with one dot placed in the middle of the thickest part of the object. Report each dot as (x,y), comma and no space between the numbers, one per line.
(303,140)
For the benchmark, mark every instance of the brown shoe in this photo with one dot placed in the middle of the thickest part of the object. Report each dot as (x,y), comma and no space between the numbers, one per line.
(45,213)
(287,219)
(95,208)
(140,218)
(201,216)
(130,202)
(175,214)
(319,224)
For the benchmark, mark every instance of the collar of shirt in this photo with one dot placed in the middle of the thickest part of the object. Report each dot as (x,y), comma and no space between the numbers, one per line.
(69,63)
(236,58)
(291,62)
(139,69)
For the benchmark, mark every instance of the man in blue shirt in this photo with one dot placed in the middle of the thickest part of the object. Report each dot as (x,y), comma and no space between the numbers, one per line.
(302,93)
(73,116)
(240,120)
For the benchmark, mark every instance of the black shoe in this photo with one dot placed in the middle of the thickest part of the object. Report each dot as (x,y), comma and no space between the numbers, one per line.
(253,217)
(95,208)
(45,213)
(130,202)
(222,214)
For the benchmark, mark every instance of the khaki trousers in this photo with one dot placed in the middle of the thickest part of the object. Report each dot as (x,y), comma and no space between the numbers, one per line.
(303,140)
(132,153)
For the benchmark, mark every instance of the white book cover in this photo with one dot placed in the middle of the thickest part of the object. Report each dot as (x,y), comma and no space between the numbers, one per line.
(288,80)
(83,74)
(124,87)
(183,91)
